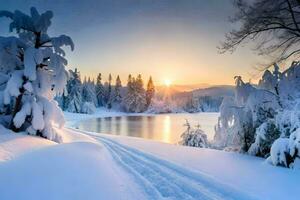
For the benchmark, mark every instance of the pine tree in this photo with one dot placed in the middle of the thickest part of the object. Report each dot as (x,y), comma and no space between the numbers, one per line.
(129,82)
(117,95)
(109,93)
(100,91)
(135,99)
(89,92)
(74,88)
(34,65)
(150,92)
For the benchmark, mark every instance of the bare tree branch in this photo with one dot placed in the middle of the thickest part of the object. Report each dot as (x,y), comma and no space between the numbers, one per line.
(272,25)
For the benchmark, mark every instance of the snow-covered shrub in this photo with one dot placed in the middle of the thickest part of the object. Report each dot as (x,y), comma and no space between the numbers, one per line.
(286,151)
(194,137)
(266,134)
(34,65)
(88,108)
(279,152)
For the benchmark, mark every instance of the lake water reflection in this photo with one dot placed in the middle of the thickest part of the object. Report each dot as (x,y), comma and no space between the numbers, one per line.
(164,127)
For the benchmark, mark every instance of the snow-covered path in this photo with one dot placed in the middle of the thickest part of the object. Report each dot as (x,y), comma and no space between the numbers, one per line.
(161,179)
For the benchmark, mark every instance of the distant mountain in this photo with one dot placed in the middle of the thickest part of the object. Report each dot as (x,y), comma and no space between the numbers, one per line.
(204,99)
(202,89)
(221,91)
(160,89)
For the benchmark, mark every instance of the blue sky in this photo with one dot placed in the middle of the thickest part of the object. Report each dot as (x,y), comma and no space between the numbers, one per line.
(168,39)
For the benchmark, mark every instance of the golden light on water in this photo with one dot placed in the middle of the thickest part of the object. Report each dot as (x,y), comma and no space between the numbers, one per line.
(166,129)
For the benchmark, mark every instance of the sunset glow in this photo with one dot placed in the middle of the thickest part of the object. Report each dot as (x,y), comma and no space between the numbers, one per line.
(168,82)
(158,40)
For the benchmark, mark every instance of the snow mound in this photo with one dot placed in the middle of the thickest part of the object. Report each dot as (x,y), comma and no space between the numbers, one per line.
(67,171)
(13,145)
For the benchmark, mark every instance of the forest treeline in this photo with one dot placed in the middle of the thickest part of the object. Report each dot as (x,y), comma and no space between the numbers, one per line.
(84,96)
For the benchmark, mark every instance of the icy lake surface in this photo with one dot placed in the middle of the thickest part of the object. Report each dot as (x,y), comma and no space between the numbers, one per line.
(163,127)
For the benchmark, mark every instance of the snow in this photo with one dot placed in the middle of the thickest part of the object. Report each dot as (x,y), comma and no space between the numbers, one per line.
(99,166)
(88,108)
(67,171)
(249,174)
(19,119)
(13,86)
(37,120)
(194,137)
(13,145)
(32,57)
(278,151)
(162,179)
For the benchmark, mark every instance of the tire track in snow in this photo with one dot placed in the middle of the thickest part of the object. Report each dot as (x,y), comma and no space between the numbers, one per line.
(161,179)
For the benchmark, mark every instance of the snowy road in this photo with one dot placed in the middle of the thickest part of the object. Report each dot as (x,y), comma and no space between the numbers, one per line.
(161,179)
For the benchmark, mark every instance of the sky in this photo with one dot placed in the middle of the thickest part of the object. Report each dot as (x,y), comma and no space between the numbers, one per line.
(173,40)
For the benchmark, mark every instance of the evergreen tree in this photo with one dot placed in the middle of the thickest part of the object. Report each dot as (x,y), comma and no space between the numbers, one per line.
(149,92)
(89,92)
(135,99)
(129,82)
(100,91)
(117,95)
(34,66)
(109,93)
(74,88)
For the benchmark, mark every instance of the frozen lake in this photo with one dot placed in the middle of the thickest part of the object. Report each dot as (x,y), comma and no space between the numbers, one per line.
(163,127)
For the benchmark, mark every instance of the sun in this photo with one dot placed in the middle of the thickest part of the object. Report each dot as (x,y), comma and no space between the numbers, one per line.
(168,82)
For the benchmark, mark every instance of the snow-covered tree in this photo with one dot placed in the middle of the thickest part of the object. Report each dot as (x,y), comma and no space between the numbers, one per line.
(150,92)
(109,95)
(100,91)
(194,137)
(159,106)
(88,108)
(240,117)
(266,134)
(208,103)
(267,116)
(135,98)
(89,92)
(191,105)
(32,64)
(74,87)
(117,98)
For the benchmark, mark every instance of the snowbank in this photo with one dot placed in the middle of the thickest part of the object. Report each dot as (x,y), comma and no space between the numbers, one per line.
(13,145)
(66,171)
